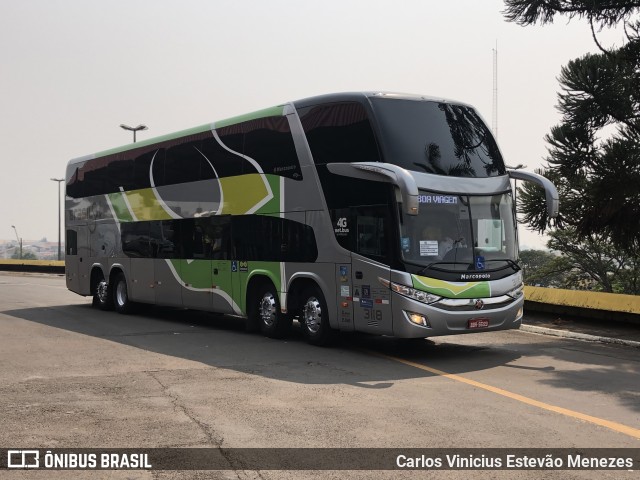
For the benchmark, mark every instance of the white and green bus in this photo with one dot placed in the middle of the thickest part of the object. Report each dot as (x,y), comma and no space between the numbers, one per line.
(382,213)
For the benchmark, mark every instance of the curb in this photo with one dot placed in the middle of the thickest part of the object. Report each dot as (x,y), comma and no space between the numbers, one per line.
(578,336)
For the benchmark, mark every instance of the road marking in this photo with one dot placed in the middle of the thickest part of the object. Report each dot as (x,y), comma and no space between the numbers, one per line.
(617,427)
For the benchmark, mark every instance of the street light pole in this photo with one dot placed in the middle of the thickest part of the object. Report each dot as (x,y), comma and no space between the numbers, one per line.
(59,218)
(19,239)
(134,129)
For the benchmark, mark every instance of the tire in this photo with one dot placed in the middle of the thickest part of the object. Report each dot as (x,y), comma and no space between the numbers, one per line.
(266,313)
(120,295)
(102,297)
(314,318)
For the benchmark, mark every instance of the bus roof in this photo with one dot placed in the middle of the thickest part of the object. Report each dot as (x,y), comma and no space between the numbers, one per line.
(272,111)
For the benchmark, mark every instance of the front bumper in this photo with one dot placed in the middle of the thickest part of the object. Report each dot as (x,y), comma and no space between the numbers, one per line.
(452,317)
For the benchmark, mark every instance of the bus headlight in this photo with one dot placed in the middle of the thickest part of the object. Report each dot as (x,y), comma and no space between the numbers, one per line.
(516,292)
(419,295)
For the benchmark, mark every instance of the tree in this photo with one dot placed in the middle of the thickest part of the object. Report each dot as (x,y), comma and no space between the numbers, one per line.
(26,255)
(542,268)
(597,172)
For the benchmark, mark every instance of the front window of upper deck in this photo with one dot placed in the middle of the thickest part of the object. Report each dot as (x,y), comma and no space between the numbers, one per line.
(436,137)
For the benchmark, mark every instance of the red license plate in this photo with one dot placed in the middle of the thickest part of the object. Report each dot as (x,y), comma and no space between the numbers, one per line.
(478,323)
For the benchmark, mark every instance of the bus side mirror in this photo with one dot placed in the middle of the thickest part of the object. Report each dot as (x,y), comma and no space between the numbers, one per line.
(550,190)
(383,172)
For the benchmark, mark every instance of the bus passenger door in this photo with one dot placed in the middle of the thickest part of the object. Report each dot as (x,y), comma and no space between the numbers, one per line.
(164,238)
(370,263)
(135,245)
(73,259)
(206,272)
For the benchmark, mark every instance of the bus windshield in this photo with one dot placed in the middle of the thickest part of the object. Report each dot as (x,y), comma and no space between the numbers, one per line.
(437,138)
(460,232)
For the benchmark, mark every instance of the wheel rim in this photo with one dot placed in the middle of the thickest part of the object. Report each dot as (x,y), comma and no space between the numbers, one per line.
(312,313)
(102,290)
(267,309)
(121,293)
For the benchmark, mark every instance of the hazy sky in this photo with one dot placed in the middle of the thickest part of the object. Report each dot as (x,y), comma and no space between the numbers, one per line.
(71,71)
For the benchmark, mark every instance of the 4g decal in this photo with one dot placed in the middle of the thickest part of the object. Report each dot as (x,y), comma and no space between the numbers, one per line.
(342,228)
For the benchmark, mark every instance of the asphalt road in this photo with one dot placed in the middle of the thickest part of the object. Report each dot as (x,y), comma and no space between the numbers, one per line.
(75,377)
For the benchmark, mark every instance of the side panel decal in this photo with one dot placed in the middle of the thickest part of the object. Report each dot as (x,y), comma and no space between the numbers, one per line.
(452,289)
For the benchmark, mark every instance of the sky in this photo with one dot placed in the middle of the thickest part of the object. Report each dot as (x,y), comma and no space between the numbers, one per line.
(72,71)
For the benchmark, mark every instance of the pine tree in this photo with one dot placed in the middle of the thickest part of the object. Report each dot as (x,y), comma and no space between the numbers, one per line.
(594,154)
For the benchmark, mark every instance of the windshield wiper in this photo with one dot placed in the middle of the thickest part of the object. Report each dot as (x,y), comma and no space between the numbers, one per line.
(423,270)
(508,261)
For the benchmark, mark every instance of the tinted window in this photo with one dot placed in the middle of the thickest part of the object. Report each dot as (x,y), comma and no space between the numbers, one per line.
(269,142)
(364,230)
(227,163)
(257,237)
(205,238)
(71,242)
(344,192)
(200,156)
(93,176)
(181,163)
(438,138)
(141,166)
(339,132)
(119,173)
(136,239)
(75,188)
(163,237)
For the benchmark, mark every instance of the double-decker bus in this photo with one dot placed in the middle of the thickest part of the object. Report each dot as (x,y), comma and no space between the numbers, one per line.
(382,213)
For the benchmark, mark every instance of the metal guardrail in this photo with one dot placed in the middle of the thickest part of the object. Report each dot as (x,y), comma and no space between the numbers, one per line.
(42,266)
(583,303)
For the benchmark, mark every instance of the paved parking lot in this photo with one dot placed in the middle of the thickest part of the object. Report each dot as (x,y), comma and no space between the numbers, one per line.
(74,377)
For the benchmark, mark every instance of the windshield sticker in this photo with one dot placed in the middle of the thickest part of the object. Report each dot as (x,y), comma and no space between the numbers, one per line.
(406,244)
(440,199)
(428,248)
(480,263)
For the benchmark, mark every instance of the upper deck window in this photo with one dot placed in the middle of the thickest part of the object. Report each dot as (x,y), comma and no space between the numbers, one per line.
(436,137)
(339,132)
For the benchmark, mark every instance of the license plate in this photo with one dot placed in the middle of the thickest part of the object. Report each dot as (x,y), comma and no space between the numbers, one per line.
(478,323)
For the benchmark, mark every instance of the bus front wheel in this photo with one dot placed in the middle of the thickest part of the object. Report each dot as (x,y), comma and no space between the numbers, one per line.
(314,318)
(273,323)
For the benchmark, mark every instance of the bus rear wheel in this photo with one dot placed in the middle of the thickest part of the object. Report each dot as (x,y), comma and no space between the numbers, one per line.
(121,300)
(102,298)
(314,318)
(273,323)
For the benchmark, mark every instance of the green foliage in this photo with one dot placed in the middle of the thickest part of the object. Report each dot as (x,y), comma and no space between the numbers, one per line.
(544,269)
(594,153)
(26,255)
(602,13)
(598,180)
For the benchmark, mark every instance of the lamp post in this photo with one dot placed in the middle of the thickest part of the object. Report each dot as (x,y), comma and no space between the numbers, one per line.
(19,240)
(133,129)
(59,218)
